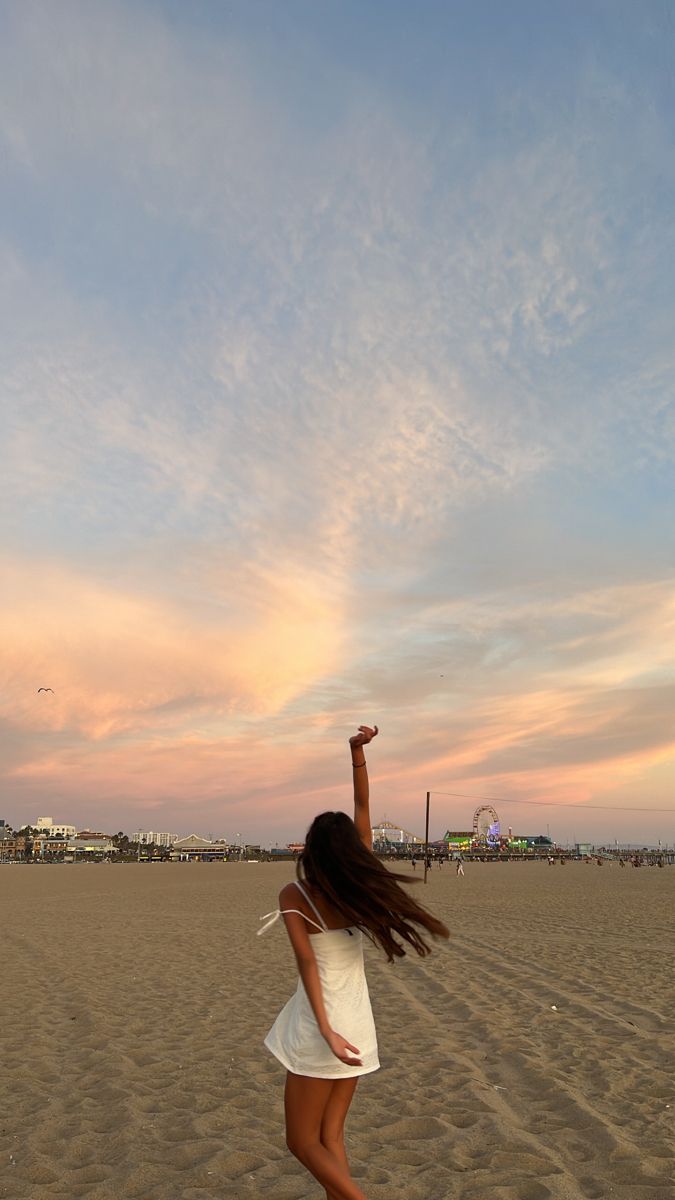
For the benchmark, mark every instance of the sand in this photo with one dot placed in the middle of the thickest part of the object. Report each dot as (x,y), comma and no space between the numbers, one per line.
(134,1000)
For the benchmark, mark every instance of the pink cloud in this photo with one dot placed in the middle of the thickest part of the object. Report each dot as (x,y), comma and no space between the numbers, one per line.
(129,663)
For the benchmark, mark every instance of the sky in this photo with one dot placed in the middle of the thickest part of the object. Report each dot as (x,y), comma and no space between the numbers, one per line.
(337,371)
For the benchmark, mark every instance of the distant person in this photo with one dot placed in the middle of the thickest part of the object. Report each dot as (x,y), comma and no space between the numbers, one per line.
(414,863)
(325,1036)
(460,865)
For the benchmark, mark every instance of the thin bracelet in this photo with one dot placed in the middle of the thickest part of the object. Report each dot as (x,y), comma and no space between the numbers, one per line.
(357,765)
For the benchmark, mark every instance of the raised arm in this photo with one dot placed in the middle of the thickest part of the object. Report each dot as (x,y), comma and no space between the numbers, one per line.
(357,745)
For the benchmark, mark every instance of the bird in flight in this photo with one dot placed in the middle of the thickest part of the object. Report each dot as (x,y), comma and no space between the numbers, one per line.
(46,690)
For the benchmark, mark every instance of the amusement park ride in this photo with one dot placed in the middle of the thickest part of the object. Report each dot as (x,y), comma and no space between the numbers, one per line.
(486,835)
(486,827)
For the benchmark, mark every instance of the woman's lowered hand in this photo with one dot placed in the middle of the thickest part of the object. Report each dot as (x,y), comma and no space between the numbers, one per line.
(340,1047)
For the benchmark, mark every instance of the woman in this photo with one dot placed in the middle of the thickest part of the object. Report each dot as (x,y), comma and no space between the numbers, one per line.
(325,1036)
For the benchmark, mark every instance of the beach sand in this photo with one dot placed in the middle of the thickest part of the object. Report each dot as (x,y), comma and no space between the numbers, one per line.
(134,1001)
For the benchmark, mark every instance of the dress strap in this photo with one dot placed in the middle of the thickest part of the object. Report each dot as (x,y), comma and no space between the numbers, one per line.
(274,917)
(311,903)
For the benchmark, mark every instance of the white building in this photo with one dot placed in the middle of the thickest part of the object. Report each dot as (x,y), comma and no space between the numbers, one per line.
(86,847)
(46,825)
(194,848)
(92,845)
(150,837)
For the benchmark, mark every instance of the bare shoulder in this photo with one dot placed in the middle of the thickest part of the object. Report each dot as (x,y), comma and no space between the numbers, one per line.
(288,895)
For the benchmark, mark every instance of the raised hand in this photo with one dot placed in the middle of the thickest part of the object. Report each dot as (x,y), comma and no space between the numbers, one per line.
(362,820)
(340,1046)
(365,735)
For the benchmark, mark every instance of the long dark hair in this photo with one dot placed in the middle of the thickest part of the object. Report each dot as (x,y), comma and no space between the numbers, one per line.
(359,886)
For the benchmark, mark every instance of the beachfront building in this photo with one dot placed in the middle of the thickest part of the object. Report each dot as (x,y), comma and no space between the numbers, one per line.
(48,826)
(458,840)
(153,838)
(47,846)
(386,834)
(465,840)
(92,845)
(82,846)
(198,849)
(12,845)
(530,841)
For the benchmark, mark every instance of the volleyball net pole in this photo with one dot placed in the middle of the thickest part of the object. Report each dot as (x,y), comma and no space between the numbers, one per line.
(426,840)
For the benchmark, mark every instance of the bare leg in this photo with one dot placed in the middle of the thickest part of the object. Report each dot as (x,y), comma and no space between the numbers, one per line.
(333,1123)
(306,1101)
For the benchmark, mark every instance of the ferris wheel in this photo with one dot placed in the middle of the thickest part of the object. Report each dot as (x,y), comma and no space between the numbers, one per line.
(486,826)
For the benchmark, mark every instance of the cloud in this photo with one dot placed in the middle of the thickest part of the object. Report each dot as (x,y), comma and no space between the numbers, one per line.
(311,413)
(121,662)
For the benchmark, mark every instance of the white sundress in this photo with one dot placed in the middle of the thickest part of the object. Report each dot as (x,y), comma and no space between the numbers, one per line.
(294,1038)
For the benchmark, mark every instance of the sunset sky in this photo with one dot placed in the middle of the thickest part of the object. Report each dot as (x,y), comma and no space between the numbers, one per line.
(337,386)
